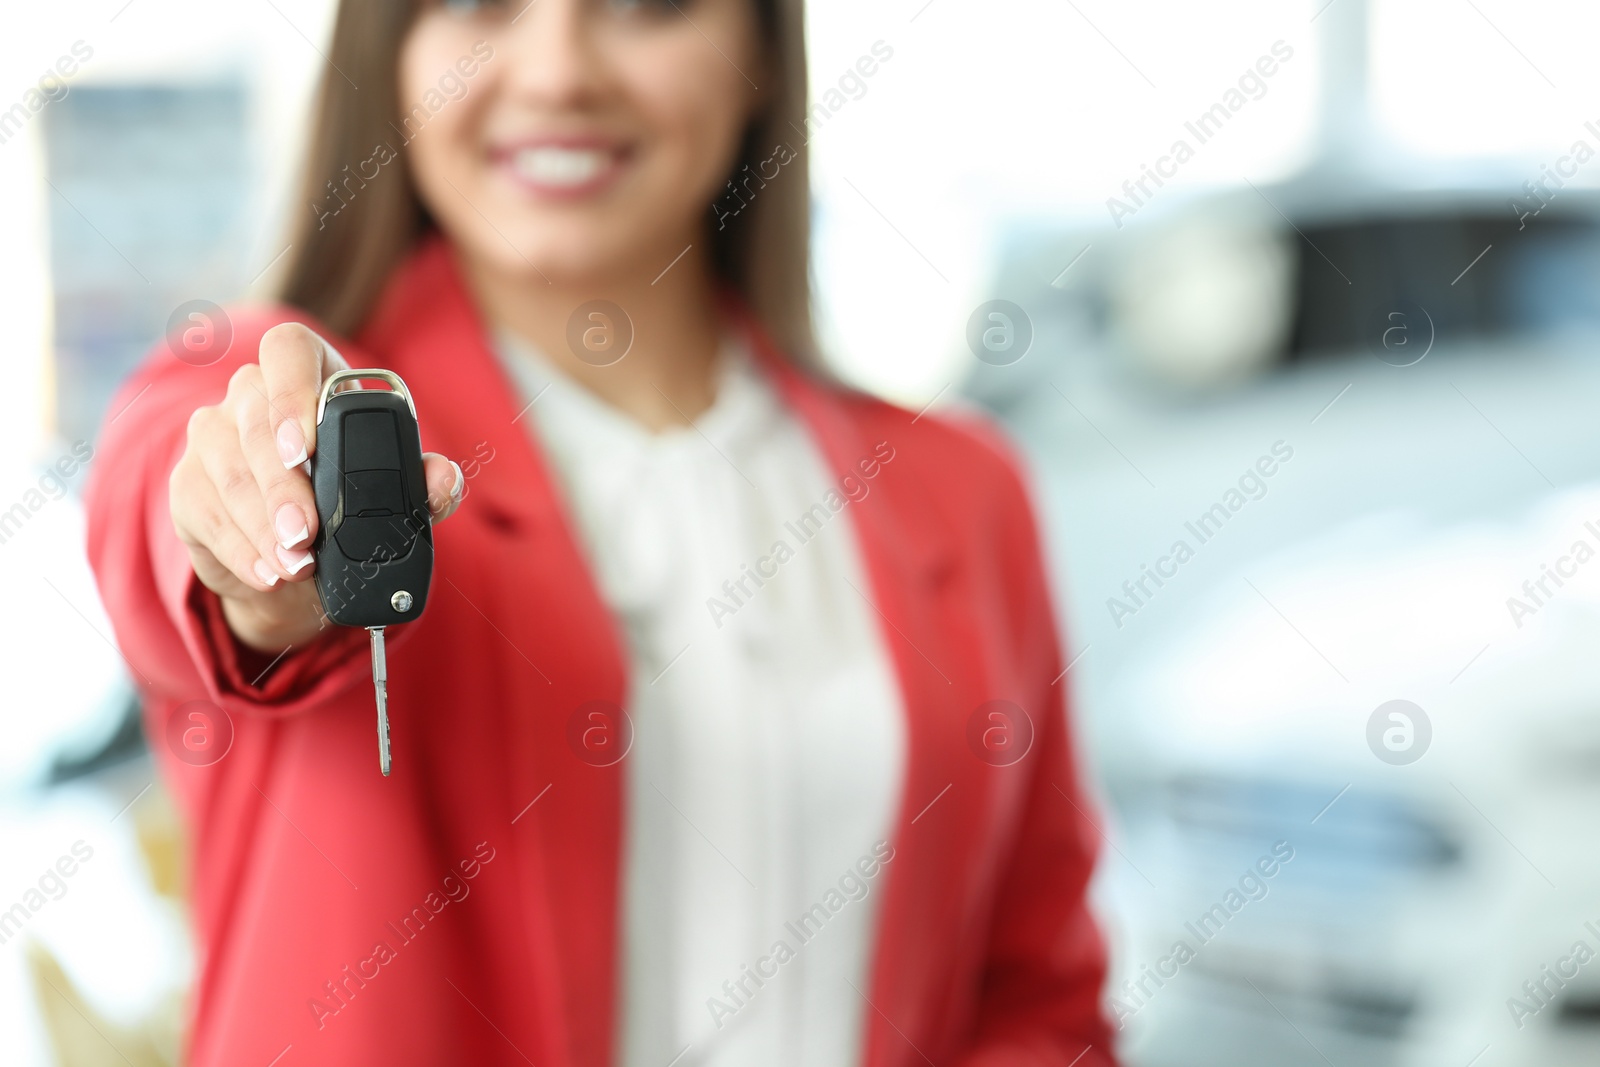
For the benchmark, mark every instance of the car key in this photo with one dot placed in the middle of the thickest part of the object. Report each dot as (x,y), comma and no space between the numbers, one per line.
(374,545)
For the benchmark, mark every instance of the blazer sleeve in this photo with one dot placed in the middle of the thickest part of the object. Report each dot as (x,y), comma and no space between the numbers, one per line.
(169,627)
(1040,1001)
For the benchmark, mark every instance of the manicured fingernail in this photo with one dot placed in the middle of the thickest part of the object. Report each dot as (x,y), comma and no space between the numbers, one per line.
(264,572)
(290,525)
(293,562)
(291,444)
(461,483)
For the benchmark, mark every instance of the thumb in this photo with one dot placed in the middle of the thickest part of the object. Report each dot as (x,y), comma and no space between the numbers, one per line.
(446,485)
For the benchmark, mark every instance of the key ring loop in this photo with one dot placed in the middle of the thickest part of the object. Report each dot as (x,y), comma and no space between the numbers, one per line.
(338,378)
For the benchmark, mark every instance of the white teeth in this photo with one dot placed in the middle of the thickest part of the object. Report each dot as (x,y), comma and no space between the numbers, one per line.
(559,166)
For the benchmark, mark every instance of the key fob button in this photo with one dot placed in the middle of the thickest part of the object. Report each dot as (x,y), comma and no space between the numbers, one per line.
(373,493)
(371,442)
(375,537)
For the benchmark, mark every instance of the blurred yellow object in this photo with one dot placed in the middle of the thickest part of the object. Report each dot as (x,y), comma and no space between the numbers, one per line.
(162,844)
(83,1038)
(79,1034)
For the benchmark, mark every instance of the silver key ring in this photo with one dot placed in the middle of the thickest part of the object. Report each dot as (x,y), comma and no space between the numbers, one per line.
(338,378)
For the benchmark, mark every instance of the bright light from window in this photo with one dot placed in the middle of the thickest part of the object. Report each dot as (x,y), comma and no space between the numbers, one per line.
(1018,114)
(1491,78)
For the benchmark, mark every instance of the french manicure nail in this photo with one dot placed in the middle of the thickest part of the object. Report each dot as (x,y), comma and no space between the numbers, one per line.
(461,483)
(291,444)
(294,562)
(264,572)
(290,525)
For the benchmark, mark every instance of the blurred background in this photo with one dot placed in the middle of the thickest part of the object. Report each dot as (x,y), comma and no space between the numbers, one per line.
(1293,306)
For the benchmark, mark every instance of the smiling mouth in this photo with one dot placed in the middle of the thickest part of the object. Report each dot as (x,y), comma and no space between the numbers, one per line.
(563,169)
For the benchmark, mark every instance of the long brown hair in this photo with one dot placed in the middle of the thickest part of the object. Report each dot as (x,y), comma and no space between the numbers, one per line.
(338,263)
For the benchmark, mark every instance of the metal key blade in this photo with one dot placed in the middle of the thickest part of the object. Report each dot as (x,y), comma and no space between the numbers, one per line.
(380,684)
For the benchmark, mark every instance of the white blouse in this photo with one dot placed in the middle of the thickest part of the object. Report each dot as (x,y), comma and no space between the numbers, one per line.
(769,742)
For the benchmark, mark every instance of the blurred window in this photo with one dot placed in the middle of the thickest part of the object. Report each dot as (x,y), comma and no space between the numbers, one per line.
(149,190)
(1489,78)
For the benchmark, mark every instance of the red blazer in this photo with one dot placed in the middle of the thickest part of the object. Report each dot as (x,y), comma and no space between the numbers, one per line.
(465,910)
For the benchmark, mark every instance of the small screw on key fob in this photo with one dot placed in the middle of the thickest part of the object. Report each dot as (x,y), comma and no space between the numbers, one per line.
(374,546)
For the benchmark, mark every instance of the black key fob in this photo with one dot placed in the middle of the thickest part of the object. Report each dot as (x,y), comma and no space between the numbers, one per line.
(374,546)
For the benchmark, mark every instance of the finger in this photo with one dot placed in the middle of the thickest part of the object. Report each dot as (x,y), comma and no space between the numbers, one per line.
(286,492)
(446,485)
(240,497)
(216,575)
(204,525)
(294,361)
(295,608)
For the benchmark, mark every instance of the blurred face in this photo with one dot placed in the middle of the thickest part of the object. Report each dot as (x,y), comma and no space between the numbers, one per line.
(577,139)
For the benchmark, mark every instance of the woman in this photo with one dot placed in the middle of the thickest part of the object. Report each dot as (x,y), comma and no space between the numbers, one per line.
(731,733)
